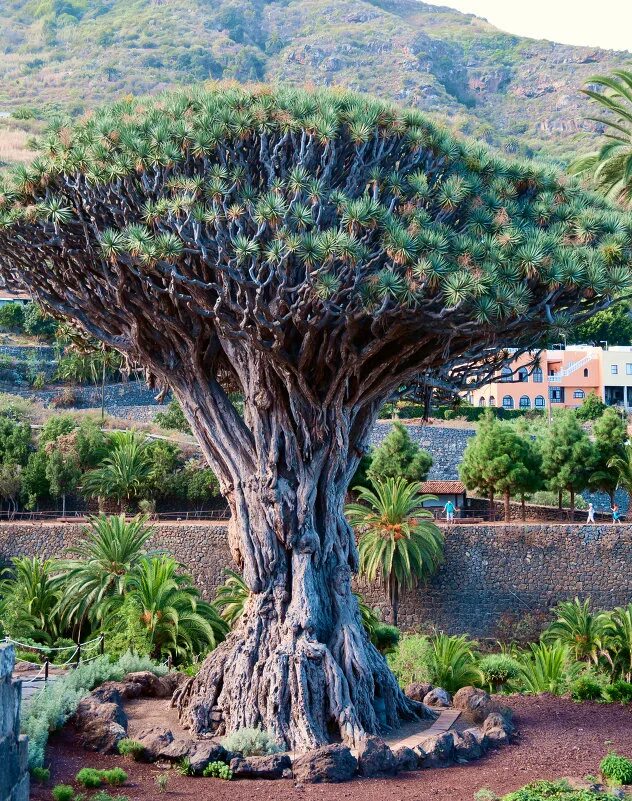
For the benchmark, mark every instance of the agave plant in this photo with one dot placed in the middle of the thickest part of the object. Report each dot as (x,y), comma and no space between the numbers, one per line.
(577,627)
(398,541)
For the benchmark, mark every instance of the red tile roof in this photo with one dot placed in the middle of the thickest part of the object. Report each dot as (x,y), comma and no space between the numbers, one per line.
(443,487)
(8,294)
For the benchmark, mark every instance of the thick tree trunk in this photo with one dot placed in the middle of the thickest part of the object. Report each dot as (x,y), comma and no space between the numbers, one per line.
(299,662)
(507,499)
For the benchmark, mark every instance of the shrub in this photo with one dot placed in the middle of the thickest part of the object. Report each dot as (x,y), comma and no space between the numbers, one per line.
(128,747)
(485,795)
(63,792)
(12,317)
(546,669)
(587,687)
(618,692)
(162,780)
(497,670)
(102,795)
(617,769)
(89,778)
(409,662)
(115,777)
(184,767)
(40,774)
(251,742)
(452,663)
(218,770)
(554,791)
(66,398)
(173,418)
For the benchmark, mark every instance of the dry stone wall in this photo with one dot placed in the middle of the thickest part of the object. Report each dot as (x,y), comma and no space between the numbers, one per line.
(14,776)
(490,571)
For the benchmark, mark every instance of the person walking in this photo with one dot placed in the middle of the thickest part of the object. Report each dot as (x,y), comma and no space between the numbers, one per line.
(449,511)
(616,514)
(591,513)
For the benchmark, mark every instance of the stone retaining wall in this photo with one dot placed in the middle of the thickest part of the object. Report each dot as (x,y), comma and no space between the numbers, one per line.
(14,776)
(490,571)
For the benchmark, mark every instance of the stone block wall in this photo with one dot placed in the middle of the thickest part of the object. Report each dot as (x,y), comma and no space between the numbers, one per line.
(490,571)
(14,775)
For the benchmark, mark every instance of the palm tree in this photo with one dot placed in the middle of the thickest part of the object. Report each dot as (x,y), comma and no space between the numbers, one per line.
(579,629)
(123,475)
(176,619)
(611,167)
(397,540)
(30,594)
(231,597)
(618,632)
(622,466)
(112,548)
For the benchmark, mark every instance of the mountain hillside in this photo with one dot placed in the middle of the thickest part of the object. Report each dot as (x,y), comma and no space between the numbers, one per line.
(515,93)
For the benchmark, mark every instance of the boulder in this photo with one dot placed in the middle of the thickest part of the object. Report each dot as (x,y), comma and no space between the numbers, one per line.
(150,684)
(406,758)
(154,740)
(109,692)
(438,697)
(169,683)
(469,745)
(417,691)
(331,763)
(497,728)
(204,752)
(375,758)
(437,750)
(474,703)
(177,749)
(90,709)
(274,766)
(102,735)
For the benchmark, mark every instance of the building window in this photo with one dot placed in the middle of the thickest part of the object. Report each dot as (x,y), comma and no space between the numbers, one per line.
(525,402)
(507,402)
(537,375)
(628,369)
(506,374)
(481,401)
(523,375)
(492,400)
(556,395)
(579,393)
(614,369)
(539,402)
(585,372)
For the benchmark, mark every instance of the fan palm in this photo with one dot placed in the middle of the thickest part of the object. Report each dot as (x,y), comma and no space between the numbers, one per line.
(123,475)
(170,608)
(398,540)
(611,167)
(231,597)
(112,548)
(579,629)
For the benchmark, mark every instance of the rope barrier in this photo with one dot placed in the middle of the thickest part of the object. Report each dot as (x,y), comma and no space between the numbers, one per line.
(47,649)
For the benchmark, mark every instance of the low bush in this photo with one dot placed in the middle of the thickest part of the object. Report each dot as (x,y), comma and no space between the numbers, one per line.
(587,687)
(102,795)
(251,742)
(63,792)
(547,669)
(184,767)
(162,782)
(218,770)
(409,662)
(40,774)
(619,692)
(115,777)
(497,670)
(554,791)
(131,748)
(452,663)
(90,778)
(616,769)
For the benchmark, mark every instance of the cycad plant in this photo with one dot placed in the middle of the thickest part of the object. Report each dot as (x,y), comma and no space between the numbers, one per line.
(123,474)
(618,633)
(29,596)
(547,668)
(112,548)
(610,168)
(452,663)
(176,619)
(398,541)
(577,627)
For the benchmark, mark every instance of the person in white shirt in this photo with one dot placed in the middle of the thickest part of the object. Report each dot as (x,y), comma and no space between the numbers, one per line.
(591,513)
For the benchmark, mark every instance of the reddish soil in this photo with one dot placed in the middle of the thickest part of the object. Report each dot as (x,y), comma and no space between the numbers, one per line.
(556,738)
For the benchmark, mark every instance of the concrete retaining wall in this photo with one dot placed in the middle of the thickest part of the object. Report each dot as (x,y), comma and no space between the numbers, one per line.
(490,571)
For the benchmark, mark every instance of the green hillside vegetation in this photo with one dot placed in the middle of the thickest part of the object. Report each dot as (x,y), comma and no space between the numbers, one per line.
(518,94)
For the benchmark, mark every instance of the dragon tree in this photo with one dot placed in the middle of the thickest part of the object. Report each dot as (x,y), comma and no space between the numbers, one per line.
(313,250)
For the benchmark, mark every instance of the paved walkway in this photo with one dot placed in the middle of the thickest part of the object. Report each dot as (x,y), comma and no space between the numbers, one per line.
(412,734)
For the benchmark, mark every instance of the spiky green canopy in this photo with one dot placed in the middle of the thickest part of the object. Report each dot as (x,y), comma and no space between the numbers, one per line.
(326,228)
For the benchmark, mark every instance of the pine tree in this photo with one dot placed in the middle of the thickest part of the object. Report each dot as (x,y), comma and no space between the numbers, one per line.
(610,433)
(568,456)
(399,457)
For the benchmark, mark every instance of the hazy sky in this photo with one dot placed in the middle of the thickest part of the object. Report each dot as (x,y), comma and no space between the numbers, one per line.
(597,23)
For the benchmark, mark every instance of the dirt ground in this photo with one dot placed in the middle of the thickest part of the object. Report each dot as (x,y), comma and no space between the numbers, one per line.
(557,738)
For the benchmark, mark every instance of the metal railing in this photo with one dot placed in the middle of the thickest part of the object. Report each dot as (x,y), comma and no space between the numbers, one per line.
(82,516)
